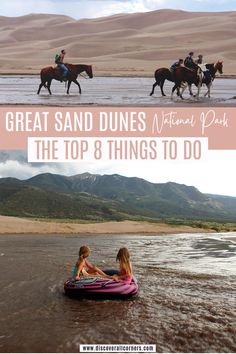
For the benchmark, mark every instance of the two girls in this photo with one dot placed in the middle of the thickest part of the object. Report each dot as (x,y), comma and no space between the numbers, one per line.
(85,268)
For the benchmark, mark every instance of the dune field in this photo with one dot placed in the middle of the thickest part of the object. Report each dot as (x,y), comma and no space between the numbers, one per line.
(126,44)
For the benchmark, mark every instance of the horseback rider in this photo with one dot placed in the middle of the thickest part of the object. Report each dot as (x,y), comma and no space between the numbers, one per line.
(199,59)
(207,76)
(189,62)
(59,61)
(176,65)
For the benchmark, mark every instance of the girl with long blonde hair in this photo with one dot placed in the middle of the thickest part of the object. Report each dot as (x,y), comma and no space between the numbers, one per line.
(85,268)
(126,271)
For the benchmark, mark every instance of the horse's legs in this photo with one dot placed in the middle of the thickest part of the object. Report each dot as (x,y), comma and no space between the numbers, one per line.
(48,86)
(77,83)
(190,89)
(68,87)
(153,88)
(207,93)
(40,86)
(180,92)
(208,90)
(78,86)
(198,89)
(161,87)
(176,86)
(44,83)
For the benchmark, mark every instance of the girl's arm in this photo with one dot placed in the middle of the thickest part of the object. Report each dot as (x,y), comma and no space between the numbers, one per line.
(80,267)
(88,264)
(95,269)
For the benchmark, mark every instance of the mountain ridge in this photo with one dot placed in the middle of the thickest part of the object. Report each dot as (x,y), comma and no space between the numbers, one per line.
(110,197)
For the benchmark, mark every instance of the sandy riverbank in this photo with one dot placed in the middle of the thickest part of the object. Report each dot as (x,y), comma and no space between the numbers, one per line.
(14,225)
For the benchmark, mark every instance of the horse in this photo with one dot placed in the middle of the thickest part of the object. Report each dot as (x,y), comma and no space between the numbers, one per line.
(161,75)
(183,74)
(207,79)
(49,73)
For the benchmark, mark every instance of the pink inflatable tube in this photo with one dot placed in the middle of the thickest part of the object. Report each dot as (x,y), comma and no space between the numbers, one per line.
(94,287)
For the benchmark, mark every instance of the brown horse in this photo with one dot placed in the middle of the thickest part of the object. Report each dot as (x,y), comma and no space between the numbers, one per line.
(182,75)
(49,73)
(161,75)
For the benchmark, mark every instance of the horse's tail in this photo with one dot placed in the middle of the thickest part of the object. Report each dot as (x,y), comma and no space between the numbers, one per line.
(158,76)
(41,75)
(46,74)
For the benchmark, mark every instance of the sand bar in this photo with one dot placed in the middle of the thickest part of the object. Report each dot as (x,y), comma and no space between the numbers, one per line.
(14,225)
(231,238)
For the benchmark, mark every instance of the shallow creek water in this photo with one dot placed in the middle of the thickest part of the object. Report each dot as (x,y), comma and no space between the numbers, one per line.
(186,301)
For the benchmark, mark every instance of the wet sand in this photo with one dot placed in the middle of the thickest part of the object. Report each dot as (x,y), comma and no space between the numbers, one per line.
(14,225)
(233,239)
(109,91)
(186,301)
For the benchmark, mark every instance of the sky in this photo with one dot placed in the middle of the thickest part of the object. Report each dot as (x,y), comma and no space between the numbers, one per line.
(96,8)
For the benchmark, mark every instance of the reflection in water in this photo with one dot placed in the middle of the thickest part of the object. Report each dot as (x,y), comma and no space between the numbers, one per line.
(106,91)
(186,301)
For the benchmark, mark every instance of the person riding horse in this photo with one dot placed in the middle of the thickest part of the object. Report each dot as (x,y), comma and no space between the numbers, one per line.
(49,73)
(176,65)
(59,61)
(190,63)
(206,73)
(199,59)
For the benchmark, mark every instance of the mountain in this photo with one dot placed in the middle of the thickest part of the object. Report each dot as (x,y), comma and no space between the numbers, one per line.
(127,44)
(110,197)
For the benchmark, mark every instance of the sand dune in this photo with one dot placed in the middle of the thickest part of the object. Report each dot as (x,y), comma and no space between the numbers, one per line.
(130,44)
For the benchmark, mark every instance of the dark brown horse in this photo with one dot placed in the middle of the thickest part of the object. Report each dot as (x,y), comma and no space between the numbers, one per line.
(184,75)
(209,76)
(161,75)
(213,69)
(49,73)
